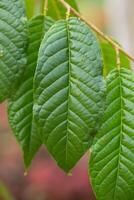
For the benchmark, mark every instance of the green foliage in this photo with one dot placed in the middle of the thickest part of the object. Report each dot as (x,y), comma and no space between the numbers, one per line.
(57,11)
(13,41)
(109,57)
(21,103)
(30,8)
(4,193)
(52,75)
(112,158)
(68,90)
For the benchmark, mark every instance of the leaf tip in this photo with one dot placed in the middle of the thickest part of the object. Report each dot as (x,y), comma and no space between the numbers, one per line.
(25,173)
(69,174)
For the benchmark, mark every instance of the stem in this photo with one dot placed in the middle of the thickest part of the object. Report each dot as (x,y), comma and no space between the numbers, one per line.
(118,62)
(68,12)
(97,30)
(44,7)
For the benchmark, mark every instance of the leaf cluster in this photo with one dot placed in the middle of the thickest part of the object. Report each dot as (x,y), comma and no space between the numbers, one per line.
(64,91)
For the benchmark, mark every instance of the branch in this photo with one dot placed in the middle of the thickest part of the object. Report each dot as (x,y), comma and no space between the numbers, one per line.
(97,30)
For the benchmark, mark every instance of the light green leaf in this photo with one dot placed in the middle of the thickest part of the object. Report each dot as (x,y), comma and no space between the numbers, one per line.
(21,103)
(13,41)
(68,90)
(112,157)
(57,10)
(109,57)
(30,7)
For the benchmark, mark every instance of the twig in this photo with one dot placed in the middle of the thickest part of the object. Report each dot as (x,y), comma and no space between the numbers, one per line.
(97,30)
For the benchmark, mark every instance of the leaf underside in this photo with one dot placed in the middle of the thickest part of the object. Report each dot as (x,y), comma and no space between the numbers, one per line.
(13,42)
(112,157)
(68,90)
(20,108)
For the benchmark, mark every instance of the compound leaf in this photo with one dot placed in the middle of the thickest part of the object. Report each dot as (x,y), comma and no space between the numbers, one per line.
(13,42)
(68,90)
(112,157)
(21,103)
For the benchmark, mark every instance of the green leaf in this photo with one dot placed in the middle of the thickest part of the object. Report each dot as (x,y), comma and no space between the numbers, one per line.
(57,10)
(30,8)
(68,90)
(13,41)
(109,57)
(21,103)
(112,157)
(4,193)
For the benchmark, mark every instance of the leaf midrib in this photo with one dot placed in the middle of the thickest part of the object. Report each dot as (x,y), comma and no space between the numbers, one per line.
(121,132)
(69,77)
(32,117)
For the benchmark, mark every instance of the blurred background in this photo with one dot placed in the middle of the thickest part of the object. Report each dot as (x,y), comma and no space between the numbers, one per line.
(45,181)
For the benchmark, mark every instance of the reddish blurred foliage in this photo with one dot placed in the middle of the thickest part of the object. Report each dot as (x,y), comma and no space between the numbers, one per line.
(3,116)
(45,181)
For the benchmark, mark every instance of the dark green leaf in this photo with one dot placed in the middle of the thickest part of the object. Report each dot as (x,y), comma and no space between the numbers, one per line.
(112,157)
(21,103)
(68,90)
(13,41)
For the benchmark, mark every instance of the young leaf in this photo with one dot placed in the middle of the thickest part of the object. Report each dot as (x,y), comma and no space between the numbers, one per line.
(57,10)
(68,90)
(109,57)
(13,41)
(21,103)
(112,157)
